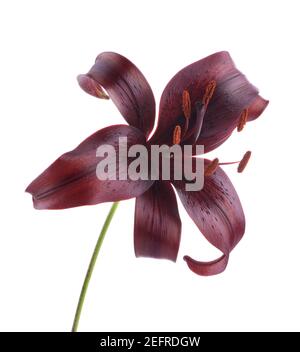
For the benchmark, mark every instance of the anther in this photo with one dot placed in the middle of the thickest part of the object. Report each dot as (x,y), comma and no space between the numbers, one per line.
(211,167)
(243,120)
(177,135)
(243,163)
(186,104)
(209,91)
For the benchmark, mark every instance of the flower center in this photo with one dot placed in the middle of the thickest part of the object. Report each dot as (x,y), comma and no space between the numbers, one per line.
(187,133)
(190,134)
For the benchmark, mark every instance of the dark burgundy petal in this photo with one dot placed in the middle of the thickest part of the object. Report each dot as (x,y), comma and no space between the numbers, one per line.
(256,108)
(125,85)
(233,94)
(157,225)
(218,213)
(71,180)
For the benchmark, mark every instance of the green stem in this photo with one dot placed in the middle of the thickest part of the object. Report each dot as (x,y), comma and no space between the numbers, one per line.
(92,265)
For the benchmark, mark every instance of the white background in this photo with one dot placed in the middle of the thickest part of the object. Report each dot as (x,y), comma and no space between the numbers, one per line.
(44,254)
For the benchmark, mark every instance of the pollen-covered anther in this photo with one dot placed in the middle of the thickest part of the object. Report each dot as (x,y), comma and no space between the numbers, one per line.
(186,104)
(209,91)
(243,120)
(211,167)
(177,135)
(243,163)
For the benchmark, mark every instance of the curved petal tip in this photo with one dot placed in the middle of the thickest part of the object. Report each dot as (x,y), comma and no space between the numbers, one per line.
(214,267)
(91,87)
(257,107)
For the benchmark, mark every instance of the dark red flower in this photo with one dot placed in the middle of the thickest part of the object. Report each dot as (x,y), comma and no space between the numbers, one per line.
(202,104)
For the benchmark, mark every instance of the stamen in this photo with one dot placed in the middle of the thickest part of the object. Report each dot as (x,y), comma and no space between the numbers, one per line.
(209,91)
(177,135)
(186,104)
(211,167)
(243,120)
(243,163)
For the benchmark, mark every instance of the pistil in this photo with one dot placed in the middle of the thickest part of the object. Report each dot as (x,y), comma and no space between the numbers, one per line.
(191,135)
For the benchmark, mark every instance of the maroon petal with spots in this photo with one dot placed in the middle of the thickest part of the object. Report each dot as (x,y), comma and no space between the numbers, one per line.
(218,213)
(233,94)
(71,180)
(157,225)
(125,85)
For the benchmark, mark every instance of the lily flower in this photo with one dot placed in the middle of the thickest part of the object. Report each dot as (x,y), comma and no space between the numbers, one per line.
(201,105)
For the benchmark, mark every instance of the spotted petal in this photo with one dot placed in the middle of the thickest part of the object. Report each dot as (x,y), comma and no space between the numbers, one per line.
(233,94)
(217,212)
